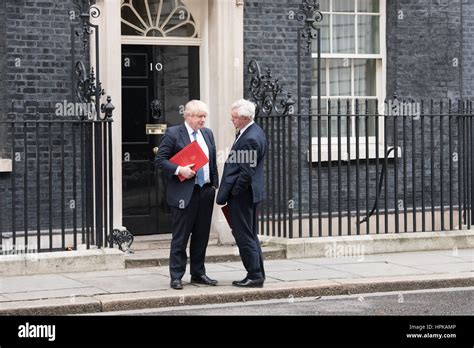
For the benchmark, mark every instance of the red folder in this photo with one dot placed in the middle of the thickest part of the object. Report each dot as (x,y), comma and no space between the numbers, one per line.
(225,210)
(192,153)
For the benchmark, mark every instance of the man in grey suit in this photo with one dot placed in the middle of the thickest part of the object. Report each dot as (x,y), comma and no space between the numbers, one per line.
(242,189)
(191,201)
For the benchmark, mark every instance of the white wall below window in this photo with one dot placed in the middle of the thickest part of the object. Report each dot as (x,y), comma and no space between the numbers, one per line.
(353,152)
(5,165)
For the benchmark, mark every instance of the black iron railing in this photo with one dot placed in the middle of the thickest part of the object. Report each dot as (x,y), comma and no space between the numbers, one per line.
(59,191)
(356,171)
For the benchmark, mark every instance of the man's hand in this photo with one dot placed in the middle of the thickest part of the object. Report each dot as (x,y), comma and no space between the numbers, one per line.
(186,171)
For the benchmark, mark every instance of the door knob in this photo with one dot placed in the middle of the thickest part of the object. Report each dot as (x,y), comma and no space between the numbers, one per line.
(155,150)
(155,106)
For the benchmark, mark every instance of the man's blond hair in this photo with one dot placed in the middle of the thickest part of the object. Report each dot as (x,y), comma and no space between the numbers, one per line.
(194,107)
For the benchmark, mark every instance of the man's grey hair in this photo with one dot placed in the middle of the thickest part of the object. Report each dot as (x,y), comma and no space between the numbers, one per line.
(195,107)
(244,108)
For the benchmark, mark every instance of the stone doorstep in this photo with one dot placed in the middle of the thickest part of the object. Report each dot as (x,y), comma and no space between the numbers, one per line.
(372,244)
(156,242)
(62,262)
(157,258)
(228,294)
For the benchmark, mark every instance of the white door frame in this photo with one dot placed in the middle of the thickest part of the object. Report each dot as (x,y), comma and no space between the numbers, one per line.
(220,31)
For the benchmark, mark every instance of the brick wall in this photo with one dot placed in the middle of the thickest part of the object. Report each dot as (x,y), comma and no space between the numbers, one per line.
(467,9)
(428,55)
(37,75)
(424,49)
(270,37)
(2,77)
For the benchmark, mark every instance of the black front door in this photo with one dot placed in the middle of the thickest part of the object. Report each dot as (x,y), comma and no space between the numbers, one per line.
(157,81)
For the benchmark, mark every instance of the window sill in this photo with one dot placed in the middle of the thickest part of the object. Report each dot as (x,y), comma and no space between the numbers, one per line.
(5,165)
(353,154)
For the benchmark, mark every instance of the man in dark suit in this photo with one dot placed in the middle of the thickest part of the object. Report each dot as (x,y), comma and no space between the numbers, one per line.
(242,189)
(191,201)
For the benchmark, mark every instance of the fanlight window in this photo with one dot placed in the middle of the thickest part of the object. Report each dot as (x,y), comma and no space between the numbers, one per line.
(158,18)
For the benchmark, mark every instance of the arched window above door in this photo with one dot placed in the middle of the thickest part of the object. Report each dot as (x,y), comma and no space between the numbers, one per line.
(157,18)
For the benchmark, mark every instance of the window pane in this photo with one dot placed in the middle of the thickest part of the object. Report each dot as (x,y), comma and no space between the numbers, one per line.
(343,6)
(324,24)
(340,77)
(365,77)
(343,31)
(324,119)
(315,77)
(334,118)
(324,5)
(368,6)
(371,110)
(341,118)
(368,34)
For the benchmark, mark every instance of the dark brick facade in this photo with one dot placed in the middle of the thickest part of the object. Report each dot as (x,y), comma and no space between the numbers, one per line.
(424,48)
(36,38)
(3,133)
(270,37)
(429,50)
(429,56)
(467,43)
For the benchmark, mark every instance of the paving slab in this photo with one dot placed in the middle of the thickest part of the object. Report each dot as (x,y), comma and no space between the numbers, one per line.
(467,254)
(377,269)
(449,267)
(105,274)
(417,258)
(322,273)
(49,294)
(216,267)
(289,265)
(37,283)
(237,265)
(339,260)
(162,270)
(124,284)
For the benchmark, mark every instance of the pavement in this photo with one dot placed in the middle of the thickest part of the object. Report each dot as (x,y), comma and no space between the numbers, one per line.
(148,287)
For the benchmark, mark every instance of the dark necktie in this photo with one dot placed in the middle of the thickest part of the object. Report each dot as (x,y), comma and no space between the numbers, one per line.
(200,172)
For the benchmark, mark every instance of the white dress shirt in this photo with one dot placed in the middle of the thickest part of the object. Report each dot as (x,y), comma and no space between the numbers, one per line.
(243,130)
(202,143)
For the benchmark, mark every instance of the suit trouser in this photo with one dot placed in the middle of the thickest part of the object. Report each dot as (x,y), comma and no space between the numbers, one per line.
(243,216)
(194,220)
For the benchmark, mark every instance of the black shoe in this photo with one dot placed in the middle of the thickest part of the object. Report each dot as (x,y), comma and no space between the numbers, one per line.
(204,279)
(176,284)
(235,282)
(249,283)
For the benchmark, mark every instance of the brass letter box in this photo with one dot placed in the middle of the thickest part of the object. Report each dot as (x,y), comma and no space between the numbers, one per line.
(155,129)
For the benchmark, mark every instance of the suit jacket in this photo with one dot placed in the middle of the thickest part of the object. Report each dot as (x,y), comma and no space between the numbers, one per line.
(174,140)
(241,176)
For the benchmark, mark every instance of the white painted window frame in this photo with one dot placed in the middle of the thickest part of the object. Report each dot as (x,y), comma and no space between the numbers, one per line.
(381,74)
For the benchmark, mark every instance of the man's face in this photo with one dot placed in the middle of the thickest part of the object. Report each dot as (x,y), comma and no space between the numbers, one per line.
(239,122)
(196,120)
